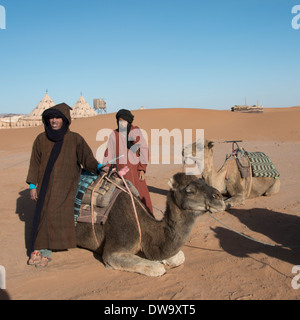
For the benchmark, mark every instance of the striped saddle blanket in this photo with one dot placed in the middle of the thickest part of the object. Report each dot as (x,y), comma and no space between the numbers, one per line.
(262,165)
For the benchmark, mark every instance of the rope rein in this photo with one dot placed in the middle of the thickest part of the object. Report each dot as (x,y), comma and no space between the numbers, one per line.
(233,156)
(127,190)
(135,212)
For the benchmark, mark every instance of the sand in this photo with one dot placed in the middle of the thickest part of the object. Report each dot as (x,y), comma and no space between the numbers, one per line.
(220,264)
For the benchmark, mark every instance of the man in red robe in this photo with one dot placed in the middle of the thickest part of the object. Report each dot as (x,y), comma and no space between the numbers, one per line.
(128,141)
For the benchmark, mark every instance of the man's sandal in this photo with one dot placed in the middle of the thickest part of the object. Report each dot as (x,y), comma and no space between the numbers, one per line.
(43,263)
(35,258)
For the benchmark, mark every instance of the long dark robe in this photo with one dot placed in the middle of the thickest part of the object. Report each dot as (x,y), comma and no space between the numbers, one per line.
(56,228)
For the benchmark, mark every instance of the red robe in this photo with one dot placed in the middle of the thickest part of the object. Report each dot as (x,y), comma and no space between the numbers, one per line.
(135,161)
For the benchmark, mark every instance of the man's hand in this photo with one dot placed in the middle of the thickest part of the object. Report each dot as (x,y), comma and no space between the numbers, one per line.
(33,195)
(142,175)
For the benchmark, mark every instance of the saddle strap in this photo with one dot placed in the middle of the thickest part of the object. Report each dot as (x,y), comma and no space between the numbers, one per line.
(92,206)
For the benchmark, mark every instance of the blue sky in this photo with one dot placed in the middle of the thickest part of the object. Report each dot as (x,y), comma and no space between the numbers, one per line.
(151,53)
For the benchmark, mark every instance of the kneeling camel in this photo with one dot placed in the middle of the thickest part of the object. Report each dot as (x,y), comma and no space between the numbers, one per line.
(119,239)
(228,179)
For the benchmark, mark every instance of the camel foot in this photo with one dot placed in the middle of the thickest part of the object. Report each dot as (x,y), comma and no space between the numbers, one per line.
(175,261)
(132,263)
(273,189)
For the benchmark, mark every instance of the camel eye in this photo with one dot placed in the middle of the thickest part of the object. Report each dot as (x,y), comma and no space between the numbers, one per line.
(190,190)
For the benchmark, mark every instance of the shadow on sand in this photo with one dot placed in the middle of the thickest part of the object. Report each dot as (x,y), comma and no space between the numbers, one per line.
(25,209)
(280,228)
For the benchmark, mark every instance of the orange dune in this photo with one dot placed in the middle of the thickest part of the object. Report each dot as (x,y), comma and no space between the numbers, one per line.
(276,124)
(280,124)
(219,263)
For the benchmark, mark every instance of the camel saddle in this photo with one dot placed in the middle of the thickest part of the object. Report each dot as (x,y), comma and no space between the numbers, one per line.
(244,164)
(262,165)
(256,162)
(100,193)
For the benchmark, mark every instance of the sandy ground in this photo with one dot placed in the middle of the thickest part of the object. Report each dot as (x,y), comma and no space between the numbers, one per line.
(220,264)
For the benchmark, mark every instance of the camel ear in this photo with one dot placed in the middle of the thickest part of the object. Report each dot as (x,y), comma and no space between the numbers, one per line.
(210,144)
(171,183)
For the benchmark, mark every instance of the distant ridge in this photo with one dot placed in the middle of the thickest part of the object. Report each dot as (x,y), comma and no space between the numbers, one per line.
(8,115)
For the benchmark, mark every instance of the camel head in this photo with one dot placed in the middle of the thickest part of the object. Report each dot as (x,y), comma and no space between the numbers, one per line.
(209,144)
(192,193)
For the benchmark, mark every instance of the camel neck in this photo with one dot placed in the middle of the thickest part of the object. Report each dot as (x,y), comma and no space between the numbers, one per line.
(172,232)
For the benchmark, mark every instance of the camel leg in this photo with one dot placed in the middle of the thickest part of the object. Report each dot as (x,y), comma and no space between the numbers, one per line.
(273,189)
(175,261)
(132,263)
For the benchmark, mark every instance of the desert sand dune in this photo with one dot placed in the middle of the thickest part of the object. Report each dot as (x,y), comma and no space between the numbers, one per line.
(219,263)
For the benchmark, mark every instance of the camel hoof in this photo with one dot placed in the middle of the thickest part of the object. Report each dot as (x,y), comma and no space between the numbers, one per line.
(176,260)
(151,269)
(158,270)
(146,267)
